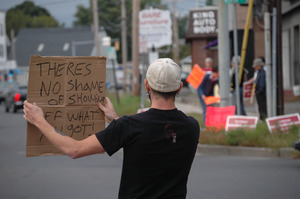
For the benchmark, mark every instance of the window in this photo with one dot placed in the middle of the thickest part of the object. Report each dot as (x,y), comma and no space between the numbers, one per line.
(66,46)
(40,47)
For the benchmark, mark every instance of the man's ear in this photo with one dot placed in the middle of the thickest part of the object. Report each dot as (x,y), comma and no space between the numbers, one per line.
(147,85)
(180,87)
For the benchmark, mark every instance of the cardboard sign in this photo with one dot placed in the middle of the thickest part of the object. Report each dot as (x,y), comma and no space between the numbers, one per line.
(247,90)
(283,123)
(216,116)
(196,76)
(68,90)
(239,121)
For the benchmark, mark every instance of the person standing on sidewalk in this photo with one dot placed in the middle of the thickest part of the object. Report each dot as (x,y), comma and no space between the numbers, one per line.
(159,144)
(206,88)
(260,87)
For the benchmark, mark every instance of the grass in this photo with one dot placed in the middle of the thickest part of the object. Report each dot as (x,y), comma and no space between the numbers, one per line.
(259,137)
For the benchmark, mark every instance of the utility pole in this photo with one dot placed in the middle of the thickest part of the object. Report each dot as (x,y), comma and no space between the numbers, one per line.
(268,63)
(135,47)
(124,42)
(280,94)
(237,86)
(13,44)
(223,40)
(175,34)
(96,26)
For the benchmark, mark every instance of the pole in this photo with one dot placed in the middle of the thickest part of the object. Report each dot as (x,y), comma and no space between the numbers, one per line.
(124,43)
(96,26)
(245,39)
(115,80)
(237,85)
(13,44)
(280,94)
(135,47)
(223,40)
(268,63)
(274,63)
(175,34)
(143,93)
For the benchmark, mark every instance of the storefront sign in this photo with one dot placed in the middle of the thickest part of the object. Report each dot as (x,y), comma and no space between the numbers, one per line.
(203,23)
(155,25)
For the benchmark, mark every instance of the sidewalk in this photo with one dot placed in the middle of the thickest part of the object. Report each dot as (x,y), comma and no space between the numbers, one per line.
(188,102)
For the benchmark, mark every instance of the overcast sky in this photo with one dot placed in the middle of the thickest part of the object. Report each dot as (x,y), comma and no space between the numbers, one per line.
(64,10)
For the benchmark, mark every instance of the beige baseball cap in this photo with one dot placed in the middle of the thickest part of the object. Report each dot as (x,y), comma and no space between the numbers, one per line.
(164,75)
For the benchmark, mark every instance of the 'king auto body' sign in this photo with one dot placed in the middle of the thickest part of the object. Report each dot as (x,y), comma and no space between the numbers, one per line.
(203,23)
(155,26)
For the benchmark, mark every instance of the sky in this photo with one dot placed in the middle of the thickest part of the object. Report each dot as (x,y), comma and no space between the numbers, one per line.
(64,10)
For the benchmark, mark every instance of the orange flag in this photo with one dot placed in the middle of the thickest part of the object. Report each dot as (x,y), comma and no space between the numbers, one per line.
(211,100)
(196,76)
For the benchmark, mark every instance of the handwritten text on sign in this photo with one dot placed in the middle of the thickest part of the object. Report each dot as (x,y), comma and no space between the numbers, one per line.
(68,90)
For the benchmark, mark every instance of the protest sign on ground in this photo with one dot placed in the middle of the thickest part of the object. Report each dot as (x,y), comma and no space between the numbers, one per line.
(68,90)
(241,121)
(216,116)
(283,123)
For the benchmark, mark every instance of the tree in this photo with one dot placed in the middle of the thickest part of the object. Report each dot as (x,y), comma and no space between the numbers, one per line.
(28,15)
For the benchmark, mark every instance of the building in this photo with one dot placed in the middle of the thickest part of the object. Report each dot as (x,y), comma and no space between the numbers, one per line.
(6,65)
(291,44)
(58,42)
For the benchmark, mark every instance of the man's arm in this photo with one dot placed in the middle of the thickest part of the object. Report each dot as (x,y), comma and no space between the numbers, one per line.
(69,146)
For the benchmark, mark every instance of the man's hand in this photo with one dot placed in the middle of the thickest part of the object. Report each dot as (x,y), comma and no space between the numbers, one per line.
(32,113)
(108,110)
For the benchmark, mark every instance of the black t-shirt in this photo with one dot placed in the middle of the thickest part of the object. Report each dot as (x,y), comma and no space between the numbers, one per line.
(159,148)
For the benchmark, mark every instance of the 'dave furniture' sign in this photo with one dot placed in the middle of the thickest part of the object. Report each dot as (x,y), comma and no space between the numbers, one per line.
(68,90)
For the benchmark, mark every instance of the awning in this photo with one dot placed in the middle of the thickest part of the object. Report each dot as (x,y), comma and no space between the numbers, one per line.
(211,44)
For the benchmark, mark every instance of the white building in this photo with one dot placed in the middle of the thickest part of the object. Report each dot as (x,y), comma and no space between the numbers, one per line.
(5,64)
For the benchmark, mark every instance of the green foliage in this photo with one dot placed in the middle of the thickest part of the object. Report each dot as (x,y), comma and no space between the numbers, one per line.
(209,2)
(84,16)
(128,104)
(28,15)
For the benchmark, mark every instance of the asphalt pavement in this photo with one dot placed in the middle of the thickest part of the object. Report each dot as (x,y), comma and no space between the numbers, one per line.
(98,176)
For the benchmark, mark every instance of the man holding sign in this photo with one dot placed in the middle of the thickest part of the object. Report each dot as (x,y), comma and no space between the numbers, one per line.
(159,144)
(206,88)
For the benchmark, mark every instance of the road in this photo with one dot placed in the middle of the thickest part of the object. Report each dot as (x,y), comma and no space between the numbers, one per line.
(98,176)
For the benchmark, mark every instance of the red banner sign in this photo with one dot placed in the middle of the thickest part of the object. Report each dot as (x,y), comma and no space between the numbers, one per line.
(238,121)
(217,116)
(283,123)
(247,90)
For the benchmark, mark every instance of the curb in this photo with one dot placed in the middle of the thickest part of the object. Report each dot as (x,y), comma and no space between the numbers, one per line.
(205,149)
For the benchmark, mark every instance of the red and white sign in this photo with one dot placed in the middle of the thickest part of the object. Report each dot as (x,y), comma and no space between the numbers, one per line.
(155,25)
(247,90)
(238,121)
(283,123)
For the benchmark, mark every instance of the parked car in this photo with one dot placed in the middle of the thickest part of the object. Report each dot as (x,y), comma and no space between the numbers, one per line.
(15,97)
